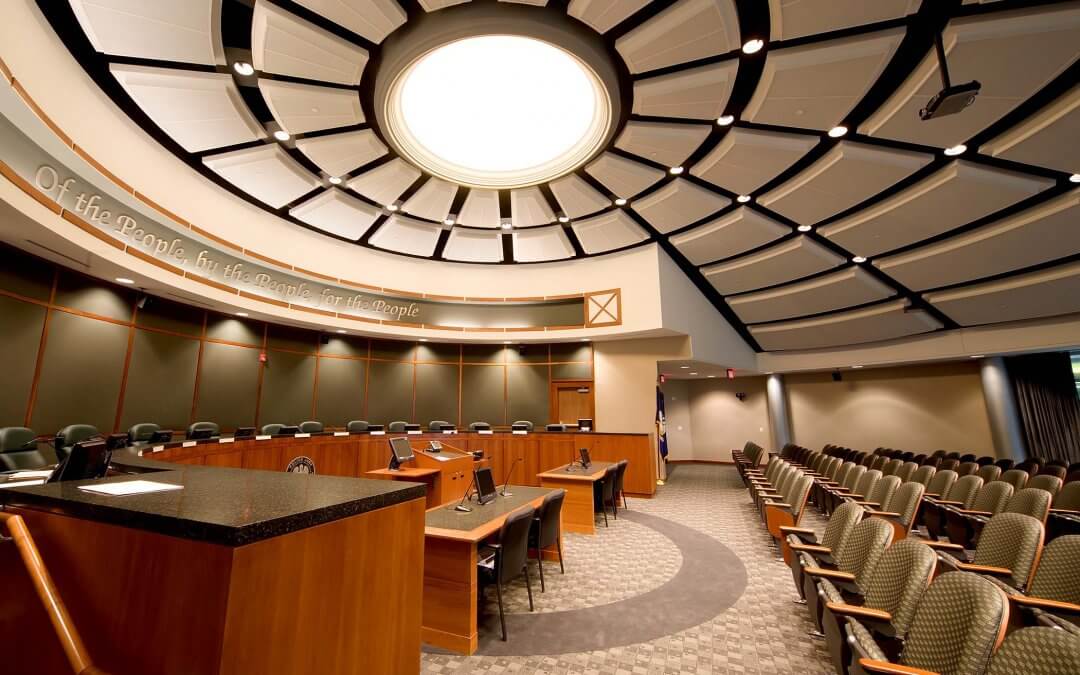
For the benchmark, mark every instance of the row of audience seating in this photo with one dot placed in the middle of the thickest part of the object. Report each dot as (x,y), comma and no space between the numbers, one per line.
(891,596)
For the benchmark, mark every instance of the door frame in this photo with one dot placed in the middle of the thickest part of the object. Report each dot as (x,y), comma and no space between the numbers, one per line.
(553,397)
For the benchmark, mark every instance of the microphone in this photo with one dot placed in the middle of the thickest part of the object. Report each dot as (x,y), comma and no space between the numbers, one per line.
(461,505)
(506,482)
(570,466)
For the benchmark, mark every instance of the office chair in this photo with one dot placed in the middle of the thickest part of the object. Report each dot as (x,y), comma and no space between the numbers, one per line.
(272,429)
(311,427)
(527,423)
(396,427)
(479,426)
(18,451)
(546,530)
(605,493)
(199,426)
(1008,549)
(141,432)
(620,473)
(70,435)
(508,559)
(16,439)
(437,425)
(356,426)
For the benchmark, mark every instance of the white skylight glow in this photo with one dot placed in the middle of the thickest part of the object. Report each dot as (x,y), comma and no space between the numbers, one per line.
(498,111)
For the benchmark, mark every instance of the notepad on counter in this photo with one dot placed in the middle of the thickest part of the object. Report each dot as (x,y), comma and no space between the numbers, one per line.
(519,433)
(377,433)
(26,475)
(190,444)
(341,433)
(21,483)
(263,437)
(485,432)
(414,431)
(131,487)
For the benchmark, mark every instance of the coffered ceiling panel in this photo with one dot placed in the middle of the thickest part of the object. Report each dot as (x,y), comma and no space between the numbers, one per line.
(663,142)
(338,154)
(474,246)
(481,209)
(407,235)
(432,201)
(576,197)
(433,5)
(882,322)
(1012,54)
(846,288)
(607,232)
(623,176)
(815,86)
(698,93)
(846,175)
(737,232)
(542,243)
(528,206)
(266,172)
(372,19)
(1047,138)
(385,183)
(603,15)
(300,108)
(169,31)
(198,110)
(784,262)
(284,44)
(746,159)
(338,213)
(678,204)
(797,18)
(686,31)
(1049,292)
(957,194)
(1045,232)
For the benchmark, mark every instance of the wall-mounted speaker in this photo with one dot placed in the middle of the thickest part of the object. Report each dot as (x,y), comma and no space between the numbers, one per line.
(837,376)
(324,339)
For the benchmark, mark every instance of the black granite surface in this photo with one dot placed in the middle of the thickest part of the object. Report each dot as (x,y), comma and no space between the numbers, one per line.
(230,507)
(448,519)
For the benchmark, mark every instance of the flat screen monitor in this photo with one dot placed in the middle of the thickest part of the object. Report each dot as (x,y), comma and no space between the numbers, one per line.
(400,451)
(485,485)
(201,434)
(116,441)
(89,459)
(289,431)
(244,432)
(584,424)
(161,436)
(585,461)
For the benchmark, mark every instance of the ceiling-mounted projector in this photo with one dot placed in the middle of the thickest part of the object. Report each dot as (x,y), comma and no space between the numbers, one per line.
(952,98)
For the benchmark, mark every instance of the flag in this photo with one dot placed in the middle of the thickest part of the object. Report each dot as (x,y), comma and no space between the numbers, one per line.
(661,423)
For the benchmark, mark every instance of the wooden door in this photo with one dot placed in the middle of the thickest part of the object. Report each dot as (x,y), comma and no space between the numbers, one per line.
(571,401)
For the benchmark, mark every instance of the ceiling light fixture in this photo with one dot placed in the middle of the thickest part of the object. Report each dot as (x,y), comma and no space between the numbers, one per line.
(564,219)
(856,366)
(675,170)
(725,120)
(955,150)
(805,228)
(858,259)
(710,376)
(281,135)
(753,46)
(243,68)
(584,339)
(1075,178)
(334,180)
(241,314)
(978,356)
(620,202)
(837,131)
(687,367)
(508,342)
(742,199)
(449,221)
(124,280)
(693,373)
(341,330)
(392,207)
(423,339)
(507,225)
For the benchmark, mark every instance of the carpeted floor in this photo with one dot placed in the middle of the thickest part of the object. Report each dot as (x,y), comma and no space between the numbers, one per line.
(686,583)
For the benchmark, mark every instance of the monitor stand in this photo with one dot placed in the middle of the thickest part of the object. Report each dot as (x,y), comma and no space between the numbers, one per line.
(394,465)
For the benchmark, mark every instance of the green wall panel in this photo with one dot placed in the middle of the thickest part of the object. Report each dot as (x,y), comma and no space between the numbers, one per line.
(161,380)
(570,351)
(228,382)
(341,391)
(393,349)
(290,337)
(571,371)
(436,393)
(483,353)
(527,387)
(390,390)
(20,336)
(171,316)
(527,353)
(482,394)
(93,296)
(80,374)
(288,388)
(234,329)
(436,351)
(345,345)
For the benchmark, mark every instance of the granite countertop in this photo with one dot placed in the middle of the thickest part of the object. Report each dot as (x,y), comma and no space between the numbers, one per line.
(229,507)
(447,518)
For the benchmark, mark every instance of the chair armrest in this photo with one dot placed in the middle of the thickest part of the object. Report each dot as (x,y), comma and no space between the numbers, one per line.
(810,548)
(791,529)
(868,504)
(985,569)
(875,666)
(890,515)
(778,505)
(932,496)
(1069,512)
(844,609)
(969,512)
(1052,606)
(945,545)
(948,502)
(829,574)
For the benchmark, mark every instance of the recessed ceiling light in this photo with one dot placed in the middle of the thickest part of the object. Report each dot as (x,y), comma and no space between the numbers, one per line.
(241,314)
(334,180)
(584,339)
(124,280)
(955,150)
(753,46)
(448,221)
(1075,178)
(805,228)
(710,376)
(508,342)
(693,373)
(675,170)
(856,366)
(620,202)
(392,207)
(858,259)
(725,120)
(978,356)
(507,225)
(742,199)
(243,68)
(687,367)
(341,330)
(837,131)
(423,339)
(564,219)
(281,135)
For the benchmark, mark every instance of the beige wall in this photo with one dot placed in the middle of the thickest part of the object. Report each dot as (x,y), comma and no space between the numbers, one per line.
(917,408)
(677,410)
(720,421)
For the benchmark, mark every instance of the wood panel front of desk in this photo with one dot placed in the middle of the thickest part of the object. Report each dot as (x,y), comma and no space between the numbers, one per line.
(357,454)
(342,597)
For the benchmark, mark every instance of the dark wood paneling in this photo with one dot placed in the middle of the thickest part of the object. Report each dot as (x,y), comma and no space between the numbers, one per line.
(527,388)
(161,380)
(436,393)
(228,378)
(287,389)
(20,335)
(341,391)
(482,395)
(390,391)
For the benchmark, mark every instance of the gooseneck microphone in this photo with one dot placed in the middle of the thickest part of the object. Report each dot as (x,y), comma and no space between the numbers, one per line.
(461,505)
(506,481)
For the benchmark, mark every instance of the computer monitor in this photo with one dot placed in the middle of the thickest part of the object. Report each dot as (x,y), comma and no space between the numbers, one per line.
(89,459)
(161,436)
(289,431)
(485,485)
(585,461)
(400,451)
(116,441)
(201,433)
(584,424)
(244,432)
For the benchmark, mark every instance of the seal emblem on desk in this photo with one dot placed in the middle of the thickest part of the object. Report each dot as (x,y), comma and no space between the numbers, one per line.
(301,464)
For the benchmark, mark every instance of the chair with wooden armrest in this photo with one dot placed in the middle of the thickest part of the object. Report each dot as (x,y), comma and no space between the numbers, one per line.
(959,621)
(1055,587)
(881,494)
(1038,651)
(961,495)
(789,513)
(1034,502)
(903,509)
(1008,549)
(854,562)
(832,495)
(821,486)
(840,525)
(863,489)
(963,525)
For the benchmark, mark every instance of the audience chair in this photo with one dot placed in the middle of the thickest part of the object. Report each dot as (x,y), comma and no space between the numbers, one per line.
(891,467)
(989,472)
(949,463)
(967,469)
(1045,481)
(985,461)
(605,493)
(70,435)
(620,475)
(18,451)
(1031,465)
(906,471)
(528,425)
(272,429)
(788,512)
(958,623)
(940,483)
(1064,517)
(821,485)
(142,432)
(1030,502)
(902,509)
(357,426)
(881,494)
(1004,464)
(199,426)
(546,530)
(923,475)
(502,562)
(1054,470)
(801,544)
(961,495)
(1053,597)
(833,495)
(479,426)
(1008,550)
(1038,651)
(962,526)
(853,564)
(396,427)
(311,427)
(1018,478)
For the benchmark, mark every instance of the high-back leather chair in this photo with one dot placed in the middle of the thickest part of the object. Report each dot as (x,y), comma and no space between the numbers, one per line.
(18,452)
(479,426)
(396,427)
(437,425)
(606,493)
(546,530)
(272,429)
(620,477)
(16,439)
(555,427)
(510,558)
(215,430)
(311,427)
(142,432)
(528,425)
(357,426)
(70,435)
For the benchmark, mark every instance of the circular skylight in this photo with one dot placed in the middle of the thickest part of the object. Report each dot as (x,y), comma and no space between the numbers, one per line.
(498,111)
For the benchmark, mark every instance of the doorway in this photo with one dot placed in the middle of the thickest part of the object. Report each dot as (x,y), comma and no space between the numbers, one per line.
(571,400)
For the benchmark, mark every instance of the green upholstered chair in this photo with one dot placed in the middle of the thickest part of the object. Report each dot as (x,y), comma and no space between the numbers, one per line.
(1038,651)
(72,434)
(311,427)
(396,427)
(357,426)
(141,432)
(272,429)
(802,547)
(437,425)
(528,425)
(18,451)
(202,427)
(1008,550)
(479,426)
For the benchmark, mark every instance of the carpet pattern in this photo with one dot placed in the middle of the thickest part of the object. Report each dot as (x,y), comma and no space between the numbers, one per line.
(762,632)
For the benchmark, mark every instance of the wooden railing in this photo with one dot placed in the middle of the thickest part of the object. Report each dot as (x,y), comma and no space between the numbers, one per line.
(62,623)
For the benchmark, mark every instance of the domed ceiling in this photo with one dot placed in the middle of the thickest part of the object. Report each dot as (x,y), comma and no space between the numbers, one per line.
(774,149)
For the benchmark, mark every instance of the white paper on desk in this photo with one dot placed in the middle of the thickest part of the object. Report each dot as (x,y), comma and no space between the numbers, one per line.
(131,487)
(414,431)
(485,432)
(520,433)
(341,433)
(377,433)
(157,448)
(22,483)
(263,437)
(24,475)
(190,444)
(439,457)
(301,435)
(448,432)
(230,439)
